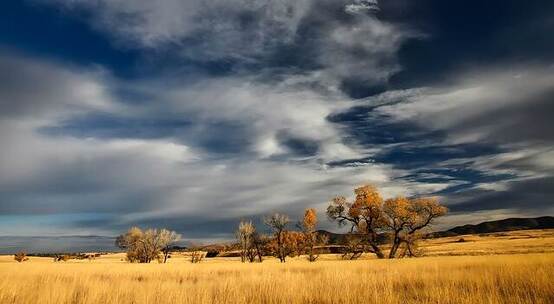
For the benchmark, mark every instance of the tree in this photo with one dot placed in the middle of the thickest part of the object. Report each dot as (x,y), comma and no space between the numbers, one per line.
(131,243)
(21,256)
(196,256)
(405,218)
(146,246)
(311,237)
(168,240)
(402,218)
(364,214)
(260,242)
(354,247)
(245,234)
(278,223)
(62,257)
(398,214)
(293,243)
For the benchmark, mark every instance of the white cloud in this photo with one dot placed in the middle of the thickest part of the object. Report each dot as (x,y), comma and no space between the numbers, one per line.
(45,91)
(479,106)
(147,179)
(255,31)
(224,26)
(362,6)
(267,111)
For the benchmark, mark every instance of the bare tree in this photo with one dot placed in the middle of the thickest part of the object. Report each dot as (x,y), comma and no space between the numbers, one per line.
(244,235)
(196,256)
(131,243)
(146,246)
(260,243)
(168,240)
(278,223)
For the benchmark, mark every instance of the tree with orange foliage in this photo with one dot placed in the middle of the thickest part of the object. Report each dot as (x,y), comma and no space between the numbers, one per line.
(311,238)
(369,216)
(364,214)
(293,243)
(405,218)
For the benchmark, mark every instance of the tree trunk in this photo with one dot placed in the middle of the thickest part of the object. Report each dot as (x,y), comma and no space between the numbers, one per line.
(374,246)
(377,250)
(258,252)
(394,248)
(280,249)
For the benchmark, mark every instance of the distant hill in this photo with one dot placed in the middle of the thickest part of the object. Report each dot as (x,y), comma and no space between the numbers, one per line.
(509,224)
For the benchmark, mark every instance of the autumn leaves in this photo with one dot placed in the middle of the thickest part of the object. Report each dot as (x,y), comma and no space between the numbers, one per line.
(375,224)
(399,220)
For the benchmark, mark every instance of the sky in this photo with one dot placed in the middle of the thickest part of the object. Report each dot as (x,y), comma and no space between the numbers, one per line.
(194,114)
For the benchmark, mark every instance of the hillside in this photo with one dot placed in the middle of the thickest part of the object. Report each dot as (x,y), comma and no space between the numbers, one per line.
(509,224)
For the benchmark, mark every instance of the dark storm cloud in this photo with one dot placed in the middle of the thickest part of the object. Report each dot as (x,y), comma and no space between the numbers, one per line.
(469,34)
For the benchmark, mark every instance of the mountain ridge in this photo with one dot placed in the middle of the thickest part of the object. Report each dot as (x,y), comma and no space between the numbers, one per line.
(508,224)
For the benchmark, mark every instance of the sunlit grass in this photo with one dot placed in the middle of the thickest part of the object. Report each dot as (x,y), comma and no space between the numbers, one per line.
(520,278)
(483,279)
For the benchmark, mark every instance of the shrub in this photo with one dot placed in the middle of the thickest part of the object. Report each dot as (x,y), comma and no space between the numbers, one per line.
(63,257)
(196,256)
(212,253)
(21,256)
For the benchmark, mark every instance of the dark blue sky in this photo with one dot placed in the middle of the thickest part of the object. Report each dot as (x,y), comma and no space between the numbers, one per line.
(193,114)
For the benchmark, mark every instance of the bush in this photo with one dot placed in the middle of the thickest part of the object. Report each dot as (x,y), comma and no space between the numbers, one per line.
(212,253)
(64,258)
(196,256)
(20,256)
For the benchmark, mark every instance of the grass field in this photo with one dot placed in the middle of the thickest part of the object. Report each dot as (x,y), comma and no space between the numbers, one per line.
(462,278)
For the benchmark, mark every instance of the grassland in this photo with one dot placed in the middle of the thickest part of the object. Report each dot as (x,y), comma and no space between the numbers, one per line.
(463,278)
(513,242)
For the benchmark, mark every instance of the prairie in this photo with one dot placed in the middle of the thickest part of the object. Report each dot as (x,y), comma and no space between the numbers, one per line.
(500,276)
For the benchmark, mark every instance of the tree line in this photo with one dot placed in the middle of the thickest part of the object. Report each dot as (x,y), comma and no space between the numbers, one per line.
(282,242)
(375,225)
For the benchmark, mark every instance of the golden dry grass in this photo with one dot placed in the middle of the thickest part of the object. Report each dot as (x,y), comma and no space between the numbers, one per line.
(508,278)
(523,241)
